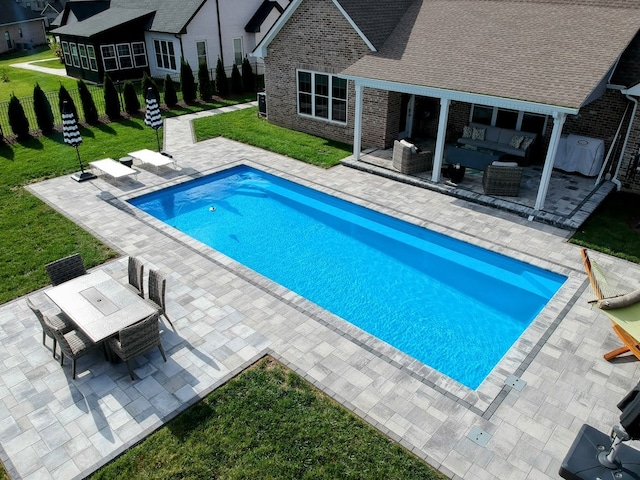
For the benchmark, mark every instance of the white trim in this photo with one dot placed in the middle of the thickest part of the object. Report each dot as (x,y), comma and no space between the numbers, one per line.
(330,98)
(84,58)
(94,58)
(114,58)
(74,58)
(134,55)
(67,54)
(120,57)
(355,27)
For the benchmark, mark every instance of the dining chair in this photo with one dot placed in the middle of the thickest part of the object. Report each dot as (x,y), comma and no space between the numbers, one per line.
(136,275)
(157,289)
(136,340)
(74,344)
(65,269)
(58,322)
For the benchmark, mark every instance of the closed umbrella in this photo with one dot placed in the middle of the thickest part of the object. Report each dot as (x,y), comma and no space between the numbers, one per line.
(71,136)
(152,116)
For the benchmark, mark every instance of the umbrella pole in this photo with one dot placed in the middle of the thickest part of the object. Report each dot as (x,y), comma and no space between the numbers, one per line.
(79,161)
(158,139)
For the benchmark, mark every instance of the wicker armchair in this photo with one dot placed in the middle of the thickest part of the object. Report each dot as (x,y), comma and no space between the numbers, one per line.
(137,340)
(406,161)
(74,344)
(502,180)
(157,289)
(58,322)
(65,269)
(136,276)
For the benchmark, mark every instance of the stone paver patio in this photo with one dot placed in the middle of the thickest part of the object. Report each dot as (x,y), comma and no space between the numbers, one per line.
(227,316)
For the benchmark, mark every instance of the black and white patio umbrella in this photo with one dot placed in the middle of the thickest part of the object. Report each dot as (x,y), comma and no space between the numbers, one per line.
(71,136)
(152,116)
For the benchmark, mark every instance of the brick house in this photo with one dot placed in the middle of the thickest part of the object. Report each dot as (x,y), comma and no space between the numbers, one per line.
(20,27)
(367,73)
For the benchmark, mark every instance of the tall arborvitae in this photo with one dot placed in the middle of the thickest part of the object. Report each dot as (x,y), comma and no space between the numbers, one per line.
(248,80)
(149,83)
(42,108)
(88,105)
(236,81)
(111,99)
(204,83)
(63,96)
(222,83)
(18,119)
(187,81)
(170,96)
(131,102)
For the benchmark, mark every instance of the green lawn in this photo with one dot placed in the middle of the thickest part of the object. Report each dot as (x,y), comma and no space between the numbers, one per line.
(267,423)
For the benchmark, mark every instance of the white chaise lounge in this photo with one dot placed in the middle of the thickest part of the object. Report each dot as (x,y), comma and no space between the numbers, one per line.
(114,169)
(152,158)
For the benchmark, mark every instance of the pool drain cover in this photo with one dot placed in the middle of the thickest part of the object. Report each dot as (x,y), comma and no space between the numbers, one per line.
(515,382)
(479,436)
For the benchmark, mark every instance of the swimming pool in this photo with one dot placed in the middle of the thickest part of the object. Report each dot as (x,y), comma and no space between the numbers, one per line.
(454,306)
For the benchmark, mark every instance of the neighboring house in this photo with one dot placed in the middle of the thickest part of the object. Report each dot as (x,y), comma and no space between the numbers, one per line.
(21,28)
(368,73)
(134,36)
(78,10)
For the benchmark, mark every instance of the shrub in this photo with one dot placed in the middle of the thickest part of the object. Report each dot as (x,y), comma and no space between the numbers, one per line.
(187,81)
(131,102)
(170,96)
(18,119)
(204,82)
(222,83)
(149,83)
(42,109)
(88,105)
(63,96)
(248,80)
(111,99)
(236,81)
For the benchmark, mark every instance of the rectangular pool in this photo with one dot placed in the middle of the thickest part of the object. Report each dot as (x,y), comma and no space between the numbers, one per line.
(456,307)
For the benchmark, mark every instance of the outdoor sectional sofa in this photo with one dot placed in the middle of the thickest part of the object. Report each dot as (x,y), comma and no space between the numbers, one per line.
(511,142)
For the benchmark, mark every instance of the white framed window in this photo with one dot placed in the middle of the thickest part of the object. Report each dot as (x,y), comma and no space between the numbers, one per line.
(139,54)
(74,54)
(507,118)
(165,55)
(109,59)
(201,51)
(91,54)
(322,95)
(238,51)
(66,53)
(124,56)
(84,61)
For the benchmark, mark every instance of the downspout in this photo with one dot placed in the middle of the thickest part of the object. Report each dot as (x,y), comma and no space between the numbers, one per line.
(615,180)
(219,31)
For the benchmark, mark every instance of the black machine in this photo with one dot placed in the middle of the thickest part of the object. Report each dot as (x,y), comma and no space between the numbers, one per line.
(597,456)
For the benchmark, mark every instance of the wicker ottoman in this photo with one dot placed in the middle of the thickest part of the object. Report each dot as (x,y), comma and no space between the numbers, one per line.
(502,180)
(406,162)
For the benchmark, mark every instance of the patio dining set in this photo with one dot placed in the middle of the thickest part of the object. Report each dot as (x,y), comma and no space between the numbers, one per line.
(98,311)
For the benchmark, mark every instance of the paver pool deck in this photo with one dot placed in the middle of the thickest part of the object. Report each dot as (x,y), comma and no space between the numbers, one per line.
(227,316)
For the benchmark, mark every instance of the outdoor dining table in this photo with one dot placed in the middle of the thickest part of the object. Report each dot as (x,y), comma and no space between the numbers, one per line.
(99,305)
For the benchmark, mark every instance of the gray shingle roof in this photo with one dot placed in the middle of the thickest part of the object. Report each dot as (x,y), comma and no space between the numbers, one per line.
(172,16)
(376,19)
(103,22)
(12,12)
(552,52)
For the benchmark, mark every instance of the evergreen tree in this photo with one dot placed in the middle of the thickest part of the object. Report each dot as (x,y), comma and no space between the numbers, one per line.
(248,80)
(170,96)
(236,81)
(149,83)
(204,82)
(131,102)
(88,105)
(18,119)
(42,108)
(63,96)
(222,84)
(111,99)
(187,81)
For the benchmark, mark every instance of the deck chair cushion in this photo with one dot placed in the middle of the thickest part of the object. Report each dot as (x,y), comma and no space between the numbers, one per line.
(620,302)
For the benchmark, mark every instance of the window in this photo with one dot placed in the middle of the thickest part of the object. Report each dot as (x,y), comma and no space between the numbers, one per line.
(84,61)
(20,32)
(66,53)
(511,119)
(139,54)
(507,119)
(109,59)
(74,54)
(91,53)
(165,56)
(201,51)
(124,56)
(238,54)
(322,95)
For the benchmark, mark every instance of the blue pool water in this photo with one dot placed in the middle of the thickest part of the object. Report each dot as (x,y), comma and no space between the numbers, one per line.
(455,307)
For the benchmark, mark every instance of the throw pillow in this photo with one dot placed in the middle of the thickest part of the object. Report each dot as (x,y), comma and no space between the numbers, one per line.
(619,302)
(526,141)
(515,141)
(497,163)
(478,133)
(467,132)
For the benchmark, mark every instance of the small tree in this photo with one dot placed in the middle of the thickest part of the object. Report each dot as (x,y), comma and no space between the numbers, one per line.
(204,82)
(42,109)
(187,81)
(222,84)
(131,102)
(88,105)
(248,80)
(170,96)
(236,81)
(149,83)
(111,99)
(63,96)
(18,119)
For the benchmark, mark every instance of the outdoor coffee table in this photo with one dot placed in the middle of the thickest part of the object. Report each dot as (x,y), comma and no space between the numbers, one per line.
(99,305)
(472,157)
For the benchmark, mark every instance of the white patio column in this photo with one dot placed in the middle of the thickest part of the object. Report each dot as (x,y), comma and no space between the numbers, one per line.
(558,122)
(357,122)
(440,139)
